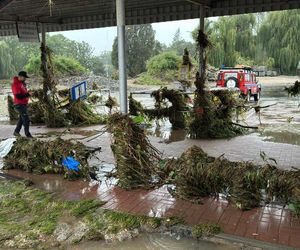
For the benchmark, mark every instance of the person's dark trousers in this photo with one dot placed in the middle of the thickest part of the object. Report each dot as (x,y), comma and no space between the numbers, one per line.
(23,119)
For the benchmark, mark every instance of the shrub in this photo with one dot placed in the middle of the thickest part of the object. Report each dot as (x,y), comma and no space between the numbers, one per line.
(163,63)
(62,66)
(146,79)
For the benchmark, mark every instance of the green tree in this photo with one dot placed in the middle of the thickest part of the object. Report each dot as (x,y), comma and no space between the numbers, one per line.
(140,46)
(279,34)
(97,65)
(7,69)
(179,44)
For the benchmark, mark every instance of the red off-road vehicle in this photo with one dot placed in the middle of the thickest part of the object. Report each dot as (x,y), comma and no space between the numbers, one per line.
(240,77)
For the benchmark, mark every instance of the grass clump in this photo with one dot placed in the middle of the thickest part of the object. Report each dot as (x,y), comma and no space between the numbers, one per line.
(29,216)
(122,221)
(205,230)
(147,79)
(36,156)
(26,210)
(80,208)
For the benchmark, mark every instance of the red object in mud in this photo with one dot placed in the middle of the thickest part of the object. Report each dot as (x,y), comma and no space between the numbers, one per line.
(243,78)
(199,110)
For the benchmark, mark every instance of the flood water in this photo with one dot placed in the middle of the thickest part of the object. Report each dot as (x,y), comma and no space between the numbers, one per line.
(156,242)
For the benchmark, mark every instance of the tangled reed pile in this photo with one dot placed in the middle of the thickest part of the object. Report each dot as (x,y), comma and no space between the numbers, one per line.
(136,158)
(48,106)
(243,183)
(36,156)
(211,119)
(34,109)
(293,90)
(196,175)
(213,113)
(163,97)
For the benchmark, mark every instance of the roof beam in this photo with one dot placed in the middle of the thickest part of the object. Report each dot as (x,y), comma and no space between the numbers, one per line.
(4,4)
(199,2)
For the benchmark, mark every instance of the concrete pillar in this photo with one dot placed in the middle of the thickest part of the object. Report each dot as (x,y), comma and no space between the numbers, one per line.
(120,9)
(201,52)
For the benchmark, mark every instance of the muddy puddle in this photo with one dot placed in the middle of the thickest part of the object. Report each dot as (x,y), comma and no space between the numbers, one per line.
(71,190)
(155,242)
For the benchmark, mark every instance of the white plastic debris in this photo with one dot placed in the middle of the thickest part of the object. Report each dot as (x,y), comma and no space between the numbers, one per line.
(5,147)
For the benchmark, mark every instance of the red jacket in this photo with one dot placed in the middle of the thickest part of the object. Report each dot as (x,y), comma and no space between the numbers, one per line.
(21,95)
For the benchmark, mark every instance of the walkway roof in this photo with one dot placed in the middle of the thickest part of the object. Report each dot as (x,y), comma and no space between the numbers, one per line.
(84,14)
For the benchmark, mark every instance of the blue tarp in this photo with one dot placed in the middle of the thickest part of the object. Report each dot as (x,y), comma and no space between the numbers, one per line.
(70,163)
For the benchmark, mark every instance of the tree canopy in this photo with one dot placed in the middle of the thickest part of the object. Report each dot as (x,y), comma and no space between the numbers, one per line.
(271,39)
(140,46)
(79,55)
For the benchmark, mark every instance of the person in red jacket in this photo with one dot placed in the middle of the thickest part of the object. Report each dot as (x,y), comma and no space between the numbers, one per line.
(21,98)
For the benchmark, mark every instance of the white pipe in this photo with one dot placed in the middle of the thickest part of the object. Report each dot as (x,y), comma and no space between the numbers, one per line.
(120,9)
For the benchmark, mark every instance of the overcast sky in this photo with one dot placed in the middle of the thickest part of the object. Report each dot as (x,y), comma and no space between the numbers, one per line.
(102,39)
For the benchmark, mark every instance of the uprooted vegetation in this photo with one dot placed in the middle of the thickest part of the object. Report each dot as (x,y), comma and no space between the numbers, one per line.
(293,90)
(198,175)
(212,117)
(40,157)
(136,158)
(176,112)
(52,107)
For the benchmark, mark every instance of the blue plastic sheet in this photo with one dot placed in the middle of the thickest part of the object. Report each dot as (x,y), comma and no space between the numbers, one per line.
(70,163)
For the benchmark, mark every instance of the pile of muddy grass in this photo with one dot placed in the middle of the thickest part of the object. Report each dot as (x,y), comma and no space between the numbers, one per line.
(136,158)
(40,157)
(243,183)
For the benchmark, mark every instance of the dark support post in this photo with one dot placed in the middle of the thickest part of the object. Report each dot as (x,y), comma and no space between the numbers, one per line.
(120,9)
(43,30)
(201,52)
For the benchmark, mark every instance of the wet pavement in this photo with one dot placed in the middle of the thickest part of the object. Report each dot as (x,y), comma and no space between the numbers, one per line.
(272,223)
(278,137)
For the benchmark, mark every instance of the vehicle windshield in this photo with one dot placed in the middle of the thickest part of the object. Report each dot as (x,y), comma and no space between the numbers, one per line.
(230,74)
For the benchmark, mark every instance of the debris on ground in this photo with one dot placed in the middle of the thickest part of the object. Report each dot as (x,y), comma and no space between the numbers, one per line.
(13,113)
(94,99)
(80,113)
(293,90)
(211,120)
(40,157)
(54,107)
(136,159)
(111,103)
(213,113)
(205,230)
(176,112)
(198,175)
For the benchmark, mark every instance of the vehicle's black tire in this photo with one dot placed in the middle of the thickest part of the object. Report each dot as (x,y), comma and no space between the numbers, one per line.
(232,82)
(257,97)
